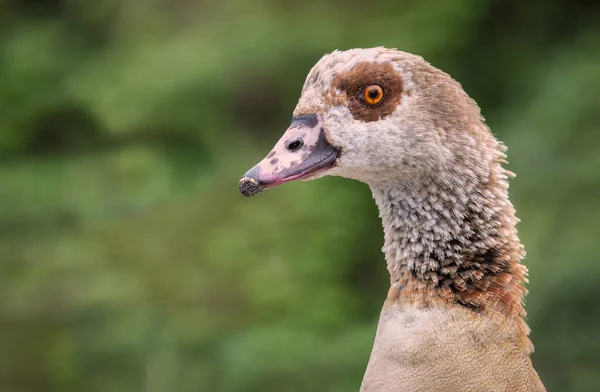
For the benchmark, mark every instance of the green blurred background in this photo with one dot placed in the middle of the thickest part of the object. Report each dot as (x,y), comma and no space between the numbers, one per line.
(130,262)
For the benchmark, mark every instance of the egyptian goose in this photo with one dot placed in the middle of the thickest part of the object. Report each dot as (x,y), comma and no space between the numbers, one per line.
(453,319)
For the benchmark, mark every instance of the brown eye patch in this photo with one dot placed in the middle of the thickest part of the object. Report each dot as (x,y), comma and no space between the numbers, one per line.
(358,83)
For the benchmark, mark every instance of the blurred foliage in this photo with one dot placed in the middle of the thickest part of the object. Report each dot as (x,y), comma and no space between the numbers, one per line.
(129,262)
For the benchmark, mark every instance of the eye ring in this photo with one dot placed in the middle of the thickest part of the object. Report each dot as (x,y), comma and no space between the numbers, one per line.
(372,94)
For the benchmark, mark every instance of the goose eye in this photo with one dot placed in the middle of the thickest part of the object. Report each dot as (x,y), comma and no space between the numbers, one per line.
(372,94)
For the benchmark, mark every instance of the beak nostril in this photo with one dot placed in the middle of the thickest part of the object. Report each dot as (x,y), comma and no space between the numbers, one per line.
(295,145)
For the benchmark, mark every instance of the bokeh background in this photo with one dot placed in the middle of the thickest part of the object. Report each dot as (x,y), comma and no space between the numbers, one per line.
(130,262)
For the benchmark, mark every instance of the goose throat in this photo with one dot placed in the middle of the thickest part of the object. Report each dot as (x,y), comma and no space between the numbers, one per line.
(455,244)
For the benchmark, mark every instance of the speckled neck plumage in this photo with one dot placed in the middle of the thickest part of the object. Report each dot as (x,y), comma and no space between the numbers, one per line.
(452,238)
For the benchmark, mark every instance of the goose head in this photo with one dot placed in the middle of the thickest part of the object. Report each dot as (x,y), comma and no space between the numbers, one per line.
(380,116)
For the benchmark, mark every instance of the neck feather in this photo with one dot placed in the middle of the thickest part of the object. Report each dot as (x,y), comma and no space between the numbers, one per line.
(453,239)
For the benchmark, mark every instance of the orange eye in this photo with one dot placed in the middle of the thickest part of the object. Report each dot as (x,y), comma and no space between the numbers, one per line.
(373,94)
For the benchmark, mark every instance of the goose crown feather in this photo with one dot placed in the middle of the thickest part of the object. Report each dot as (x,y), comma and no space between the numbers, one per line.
(453,318)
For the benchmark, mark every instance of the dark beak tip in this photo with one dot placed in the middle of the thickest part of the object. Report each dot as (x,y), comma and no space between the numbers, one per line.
(249,186)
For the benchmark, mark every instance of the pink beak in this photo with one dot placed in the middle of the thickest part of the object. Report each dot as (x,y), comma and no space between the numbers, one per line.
(302,151)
